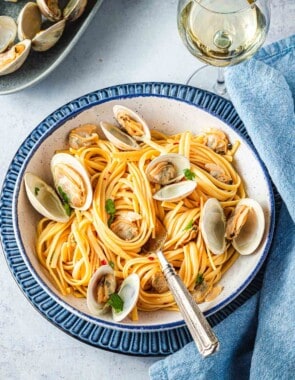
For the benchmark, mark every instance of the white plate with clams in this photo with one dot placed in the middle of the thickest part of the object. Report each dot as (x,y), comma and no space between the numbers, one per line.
(36,36)
(166,111)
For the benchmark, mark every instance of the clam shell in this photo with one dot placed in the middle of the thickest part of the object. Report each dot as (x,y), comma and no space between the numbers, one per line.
(129,292)
(14,58)
(73,163)
(180,163)
(29,21)
(117,109)
(251,233)
(45,39)
(8,31)
(94,306)
(212,226)
(176,191)
(44,199)
(50,9)
(74,9)
(120,139)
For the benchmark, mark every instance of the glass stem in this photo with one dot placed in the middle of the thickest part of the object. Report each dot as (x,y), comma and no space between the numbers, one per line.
(219,86)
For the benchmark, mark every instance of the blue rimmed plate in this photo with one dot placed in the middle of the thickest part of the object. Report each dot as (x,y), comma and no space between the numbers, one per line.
(167,107)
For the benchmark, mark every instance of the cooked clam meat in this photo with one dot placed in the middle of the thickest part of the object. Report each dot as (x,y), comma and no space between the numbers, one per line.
(71,181)
(83,136)
(105,287)
(131,126)
(159,283)
(50,9)
(100,288)
(162,173)
(217,141)
(218,173)
(125,225)
(12,59)
(237,221)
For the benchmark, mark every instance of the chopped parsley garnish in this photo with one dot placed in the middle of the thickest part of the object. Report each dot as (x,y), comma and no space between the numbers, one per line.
(199,279)
(112,264)
(37,191)
(66,200)
(116,302)
(111,210)
(189,174)
(189,226)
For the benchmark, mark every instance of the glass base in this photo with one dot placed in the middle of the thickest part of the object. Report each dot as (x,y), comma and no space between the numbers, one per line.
(208,78)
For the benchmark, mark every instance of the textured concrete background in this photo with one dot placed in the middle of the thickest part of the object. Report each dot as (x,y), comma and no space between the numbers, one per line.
(128,41)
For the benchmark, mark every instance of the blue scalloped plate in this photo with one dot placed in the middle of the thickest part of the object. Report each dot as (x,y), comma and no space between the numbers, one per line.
(158,338)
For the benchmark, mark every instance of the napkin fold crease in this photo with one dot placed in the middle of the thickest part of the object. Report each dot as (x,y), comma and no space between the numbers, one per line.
(257,341)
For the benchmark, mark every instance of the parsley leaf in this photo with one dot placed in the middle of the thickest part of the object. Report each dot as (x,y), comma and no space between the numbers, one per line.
(189,226)
(112,264)
(66,201)
(37,191)
(199,279)
(189,174)
(111,210)
(116,302)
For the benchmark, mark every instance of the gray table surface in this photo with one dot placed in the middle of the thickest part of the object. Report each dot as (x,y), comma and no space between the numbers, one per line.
(128,41)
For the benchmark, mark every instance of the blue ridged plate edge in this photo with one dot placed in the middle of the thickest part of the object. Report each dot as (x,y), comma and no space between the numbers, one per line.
(134,343)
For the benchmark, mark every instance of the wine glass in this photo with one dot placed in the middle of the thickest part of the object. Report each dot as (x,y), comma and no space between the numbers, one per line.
(221,33)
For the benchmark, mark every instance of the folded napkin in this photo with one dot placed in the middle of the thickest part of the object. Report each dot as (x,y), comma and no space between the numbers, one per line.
(257,341)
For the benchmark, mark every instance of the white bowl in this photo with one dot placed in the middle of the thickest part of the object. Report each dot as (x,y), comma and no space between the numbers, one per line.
(170,112)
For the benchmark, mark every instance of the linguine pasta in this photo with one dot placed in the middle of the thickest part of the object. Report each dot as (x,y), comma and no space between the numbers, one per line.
(71,252)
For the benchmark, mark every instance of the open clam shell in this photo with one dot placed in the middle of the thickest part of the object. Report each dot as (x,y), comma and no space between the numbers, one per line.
(50,9)
(120,139)
(46,39)
(44,199)
(132,123)
(175,191)
(29,21)
(100,287)
(74,9)
(14,58)
(129,292)
(72,181)
(212,226)
(167,168)
(252,231)
(8,31)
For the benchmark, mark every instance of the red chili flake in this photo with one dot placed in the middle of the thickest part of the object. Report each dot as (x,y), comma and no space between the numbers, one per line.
(103,262)
(176,143)
(151,258)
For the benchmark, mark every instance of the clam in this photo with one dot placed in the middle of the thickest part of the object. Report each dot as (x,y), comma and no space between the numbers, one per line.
(74,9)
(212,226)
(218,173)
(50,9)
(167,168)
(125,226)
(159,283)
(44,198)
(217,141)
(120,139)
(132,123)
(72,181)
(100,288)
(29,21)
(83,136)
(8,30)
(175,191)
(45,39)
(246,226)
(129,292)
(14,58)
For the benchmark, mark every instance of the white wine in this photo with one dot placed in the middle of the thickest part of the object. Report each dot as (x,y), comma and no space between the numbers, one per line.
(222,33)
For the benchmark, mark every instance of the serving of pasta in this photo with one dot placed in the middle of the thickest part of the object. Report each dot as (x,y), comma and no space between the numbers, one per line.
(123,212)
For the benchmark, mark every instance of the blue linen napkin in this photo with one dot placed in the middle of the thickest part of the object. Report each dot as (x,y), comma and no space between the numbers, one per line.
(257,341)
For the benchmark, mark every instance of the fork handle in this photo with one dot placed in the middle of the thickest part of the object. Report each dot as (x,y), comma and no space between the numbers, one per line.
(202,333)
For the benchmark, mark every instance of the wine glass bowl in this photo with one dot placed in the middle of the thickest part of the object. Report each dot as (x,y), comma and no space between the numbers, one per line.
(223,33)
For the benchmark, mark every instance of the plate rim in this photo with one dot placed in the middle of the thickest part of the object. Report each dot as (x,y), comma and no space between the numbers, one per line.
(160,89)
